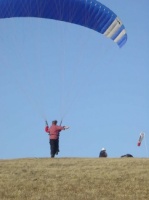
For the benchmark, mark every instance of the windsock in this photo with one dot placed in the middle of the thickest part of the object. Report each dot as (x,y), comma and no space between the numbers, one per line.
(140,139)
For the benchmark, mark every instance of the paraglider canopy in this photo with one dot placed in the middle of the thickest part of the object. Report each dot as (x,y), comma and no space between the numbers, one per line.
(88,13)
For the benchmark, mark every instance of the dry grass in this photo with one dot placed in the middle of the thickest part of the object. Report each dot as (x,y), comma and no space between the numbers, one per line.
(74,179)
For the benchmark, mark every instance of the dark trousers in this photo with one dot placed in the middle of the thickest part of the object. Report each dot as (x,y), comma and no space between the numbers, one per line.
(53,147)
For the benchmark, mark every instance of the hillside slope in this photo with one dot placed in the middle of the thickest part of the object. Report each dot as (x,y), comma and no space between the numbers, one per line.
(74,179)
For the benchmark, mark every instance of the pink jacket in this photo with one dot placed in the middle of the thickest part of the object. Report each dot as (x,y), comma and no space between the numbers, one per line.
(53,131)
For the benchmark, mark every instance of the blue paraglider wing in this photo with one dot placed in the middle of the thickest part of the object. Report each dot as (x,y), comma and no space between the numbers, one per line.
(88,13)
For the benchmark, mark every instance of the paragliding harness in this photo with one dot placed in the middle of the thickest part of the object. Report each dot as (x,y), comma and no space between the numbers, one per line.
(58,141)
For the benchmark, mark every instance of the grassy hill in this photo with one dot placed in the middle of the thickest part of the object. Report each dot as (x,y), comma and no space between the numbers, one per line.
(74,179)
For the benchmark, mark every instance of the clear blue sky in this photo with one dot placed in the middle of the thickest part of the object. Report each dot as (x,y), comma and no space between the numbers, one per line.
(51,70)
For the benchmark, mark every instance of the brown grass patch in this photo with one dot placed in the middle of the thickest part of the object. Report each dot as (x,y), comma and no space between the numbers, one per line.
(74,179)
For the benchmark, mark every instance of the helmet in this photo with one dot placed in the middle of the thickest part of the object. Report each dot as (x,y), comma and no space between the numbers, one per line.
(103,149)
